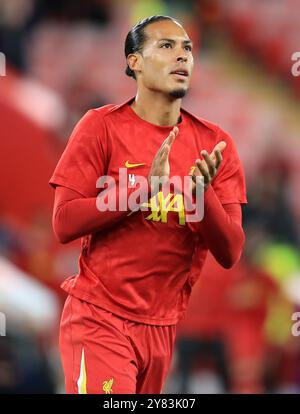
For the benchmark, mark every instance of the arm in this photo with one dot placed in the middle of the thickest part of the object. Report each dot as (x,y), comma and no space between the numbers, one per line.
(222,229)
(75,216)
(221,226)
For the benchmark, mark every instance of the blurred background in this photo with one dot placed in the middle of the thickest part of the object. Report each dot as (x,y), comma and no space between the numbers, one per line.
(65,57)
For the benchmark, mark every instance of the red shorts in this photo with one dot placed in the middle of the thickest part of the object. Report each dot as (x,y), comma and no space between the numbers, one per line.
(103,353)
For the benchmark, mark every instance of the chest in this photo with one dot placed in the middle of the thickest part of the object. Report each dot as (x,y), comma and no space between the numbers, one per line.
(134,149)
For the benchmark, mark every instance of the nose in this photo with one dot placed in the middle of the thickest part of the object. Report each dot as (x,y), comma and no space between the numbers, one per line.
(182,58)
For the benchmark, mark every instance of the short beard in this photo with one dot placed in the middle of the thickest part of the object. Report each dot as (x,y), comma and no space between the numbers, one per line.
(178,93)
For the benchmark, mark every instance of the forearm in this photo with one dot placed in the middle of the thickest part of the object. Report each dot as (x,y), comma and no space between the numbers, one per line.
(75,216)
(222,229)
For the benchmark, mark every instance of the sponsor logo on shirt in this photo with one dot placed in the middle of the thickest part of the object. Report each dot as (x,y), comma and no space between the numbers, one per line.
(128,165)
(161,206)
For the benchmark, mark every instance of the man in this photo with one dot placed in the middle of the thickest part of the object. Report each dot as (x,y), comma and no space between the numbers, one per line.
(119,321)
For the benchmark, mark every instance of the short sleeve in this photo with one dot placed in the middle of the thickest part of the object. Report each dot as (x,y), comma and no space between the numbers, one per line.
(229,183)
(84,159)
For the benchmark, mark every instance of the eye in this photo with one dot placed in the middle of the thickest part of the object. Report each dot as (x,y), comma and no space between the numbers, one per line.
(166,45)
(189,48)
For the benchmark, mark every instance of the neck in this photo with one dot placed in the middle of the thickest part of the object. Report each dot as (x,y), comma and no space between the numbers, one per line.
(157,108)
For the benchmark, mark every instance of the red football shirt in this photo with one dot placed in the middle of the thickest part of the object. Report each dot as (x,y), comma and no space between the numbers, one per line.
(139,268)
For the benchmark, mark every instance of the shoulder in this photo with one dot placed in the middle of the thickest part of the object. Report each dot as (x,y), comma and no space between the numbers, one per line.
(103,111)
(93,120)
(200,122)
(213,129)
(100,115)
(110,110)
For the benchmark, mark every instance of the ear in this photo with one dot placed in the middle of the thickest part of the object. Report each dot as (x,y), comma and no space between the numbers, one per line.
(134,61)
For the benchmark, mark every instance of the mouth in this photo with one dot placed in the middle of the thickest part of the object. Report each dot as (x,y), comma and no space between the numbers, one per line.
(180,74)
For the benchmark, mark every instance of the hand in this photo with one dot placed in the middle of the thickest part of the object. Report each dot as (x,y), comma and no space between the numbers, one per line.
(208,167)
(160,165)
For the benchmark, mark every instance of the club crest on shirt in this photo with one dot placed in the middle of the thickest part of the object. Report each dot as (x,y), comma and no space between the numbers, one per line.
(193,167)
(107,386)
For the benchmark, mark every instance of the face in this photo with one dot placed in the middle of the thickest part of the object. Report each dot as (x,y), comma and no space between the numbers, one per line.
(166,62)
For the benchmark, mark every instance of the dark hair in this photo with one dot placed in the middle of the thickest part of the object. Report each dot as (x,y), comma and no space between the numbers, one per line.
(136,37)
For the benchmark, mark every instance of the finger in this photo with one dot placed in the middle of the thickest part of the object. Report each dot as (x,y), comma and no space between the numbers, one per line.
(171,137)
(211,165)
(219,159)
(195,172)
(203,170)
(173,134)
(219,147)
(176,131)
(167,141)
(165,153)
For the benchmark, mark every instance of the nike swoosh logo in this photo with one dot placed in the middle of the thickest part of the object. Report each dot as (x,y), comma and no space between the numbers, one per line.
(128,165)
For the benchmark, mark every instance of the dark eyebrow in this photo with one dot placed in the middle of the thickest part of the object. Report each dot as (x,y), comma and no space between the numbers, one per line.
(185,42)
